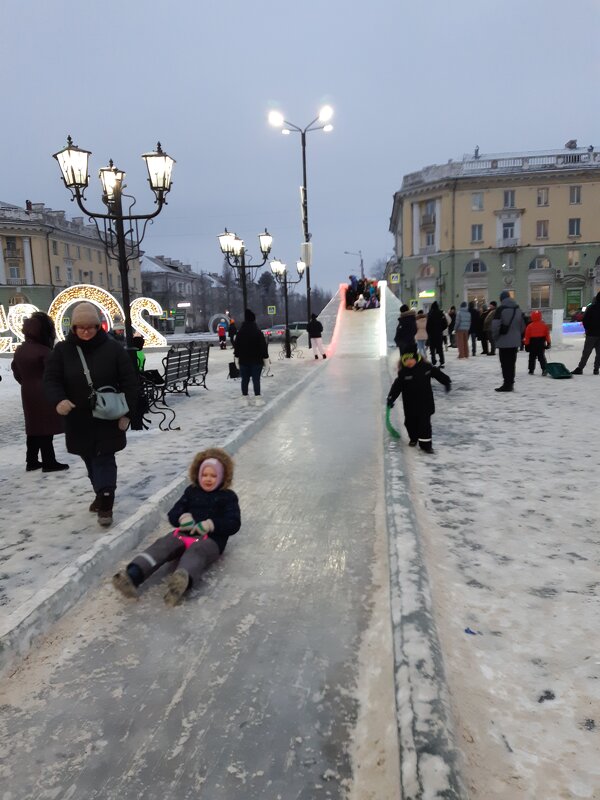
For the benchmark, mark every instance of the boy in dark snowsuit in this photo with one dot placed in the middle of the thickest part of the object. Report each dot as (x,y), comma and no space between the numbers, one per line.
(537,339)
(414,384)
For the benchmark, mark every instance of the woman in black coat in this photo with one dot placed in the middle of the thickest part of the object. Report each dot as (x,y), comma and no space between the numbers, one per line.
(42,422)
(65,384)
(251,352)
(436,325)
(406,330)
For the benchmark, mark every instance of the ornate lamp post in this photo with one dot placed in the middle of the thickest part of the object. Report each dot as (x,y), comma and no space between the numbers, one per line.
(362,267)
(121,245)
(279,270)
(277,119)
(233,247)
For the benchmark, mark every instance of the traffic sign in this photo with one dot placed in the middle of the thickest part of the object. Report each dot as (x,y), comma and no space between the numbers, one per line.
(394,277)
(271,311)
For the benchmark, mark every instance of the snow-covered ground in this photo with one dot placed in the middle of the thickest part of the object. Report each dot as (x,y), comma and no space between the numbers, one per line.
(507,509)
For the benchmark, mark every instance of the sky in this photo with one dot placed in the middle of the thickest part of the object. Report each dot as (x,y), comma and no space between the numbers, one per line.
(411,84)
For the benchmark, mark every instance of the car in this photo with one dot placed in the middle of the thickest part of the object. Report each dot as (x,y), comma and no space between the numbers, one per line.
(276,333)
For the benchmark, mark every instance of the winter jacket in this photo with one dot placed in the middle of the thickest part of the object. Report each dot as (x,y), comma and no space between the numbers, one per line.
(421,334)
(591,318)
(109,365)
(487,321)
(250,345)
(406,330)
(463,320)
(221,506)
(537,329)
(476,326)
(504,316)
(436,323)
(314,329)
(414,384)
(28,366)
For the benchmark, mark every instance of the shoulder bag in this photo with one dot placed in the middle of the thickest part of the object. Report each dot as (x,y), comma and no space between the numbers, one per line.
(106,402)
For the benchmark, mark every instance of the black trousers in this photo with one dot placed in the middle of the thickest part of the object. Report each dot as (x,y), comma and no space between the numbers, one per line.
(418,427)
(484,343)
(591,343)
(43,445)
(537,352)
(508,362)
(436,346)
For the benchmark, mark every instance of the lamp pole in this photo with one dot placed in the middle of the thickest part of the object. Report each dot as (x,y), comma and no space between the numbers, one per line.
(120,245)
(278,121)
(233,247)
(358,253)
(279,270)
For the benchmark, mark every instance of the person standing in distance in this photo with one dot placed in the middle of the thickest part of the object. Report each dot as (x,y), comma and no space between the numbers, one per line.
(315,330)
(591,326)
(250,354)
(507,330)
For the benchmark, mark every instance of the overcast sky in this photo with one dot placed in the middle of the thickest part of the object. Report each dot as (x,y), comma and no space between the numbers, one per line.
(412,83)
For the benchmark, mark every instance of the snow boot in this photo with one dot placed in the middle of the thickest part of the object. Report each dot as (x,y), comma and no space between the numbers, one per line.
(106,499)
(95,504)
(577,371)
(177,584)
(123,583)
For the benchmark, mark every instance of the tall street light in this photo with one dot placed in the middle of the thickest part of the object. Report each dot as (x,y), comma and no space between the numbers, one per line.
(277,119)
(279,270)
(120,245)
(359,253)
(233,247)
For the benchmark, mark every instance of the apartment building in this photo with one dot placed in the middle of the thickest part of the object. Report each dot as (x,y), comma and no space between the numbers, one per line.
(525,222)
(42,252)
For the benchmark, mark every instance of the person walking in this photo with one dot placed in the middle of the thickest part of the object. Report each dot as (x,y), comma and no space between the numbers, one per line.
(42,422)
(482,334)
(591,326)
(315,331)
(250,354)
(487,329)
(474,330)
(462,326)
(406,330)
(421,334)
(451,324)
(507,330)
(95,440)
(232,331)
(436,325)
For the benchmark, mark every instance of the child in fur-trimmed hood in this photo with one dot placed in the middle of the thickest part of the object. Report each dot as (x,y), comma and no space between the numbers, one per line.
(204,517)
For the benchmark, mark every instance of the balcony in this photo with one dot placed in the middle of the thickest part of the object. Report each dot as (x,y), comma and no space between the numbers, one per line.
(12,252)
(16,282)
(428,250)
(507,244)
(428,221)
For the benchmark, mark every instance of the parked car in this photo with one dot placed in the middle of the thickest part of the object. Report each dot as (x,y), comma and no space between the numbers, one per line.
(276,333)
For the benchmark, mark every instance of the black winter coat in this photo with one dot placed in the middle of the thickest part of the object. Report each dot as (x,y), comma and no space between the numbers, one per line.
(406,331)
(314,329)
(414,384)
(591,319)
(436,325)
(250,345)
(64,379)
(221,506)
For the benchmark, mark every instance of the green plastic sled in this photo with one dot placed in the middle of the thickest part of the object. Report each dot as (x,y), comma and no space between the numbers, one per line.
(557,370)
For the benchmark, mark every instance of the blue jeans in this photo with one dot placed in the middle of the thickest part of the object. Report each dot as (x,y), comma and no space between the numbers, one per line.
(248,371)
(422,348)
(102,471)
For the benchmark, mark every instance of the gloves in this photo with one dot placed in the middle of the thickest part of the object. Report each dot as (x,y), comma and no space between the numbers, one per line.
(266,362)
(65,407)
(390,403)
(204,527)
(448,387)
(186,521)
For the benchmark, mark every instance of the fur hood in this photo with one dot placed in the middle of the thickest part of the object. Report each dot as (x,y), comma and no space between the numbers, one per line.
(222,456)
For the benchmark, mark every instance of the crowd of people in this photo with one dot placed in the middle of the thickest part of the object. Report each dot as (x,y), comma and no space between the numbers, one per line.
(362,293)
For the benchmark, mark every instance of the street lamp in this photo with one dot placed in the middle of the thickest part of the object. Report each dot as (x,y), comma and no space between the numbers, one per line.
(279,270)
(277,119)
(233,247)
(359,253)
(120,245)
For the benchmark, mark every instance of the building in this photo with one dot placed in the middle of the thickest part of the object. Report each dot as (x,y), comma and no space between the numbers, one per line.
(526,222)
(42,253)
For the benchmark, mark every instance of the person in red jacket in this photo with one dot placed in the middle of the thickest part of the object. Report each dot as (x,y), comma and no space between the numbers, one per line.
(537,340)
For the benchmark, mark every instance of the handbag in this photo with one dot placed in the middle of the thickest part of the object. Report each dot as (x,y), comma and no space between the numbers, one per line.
(107,402)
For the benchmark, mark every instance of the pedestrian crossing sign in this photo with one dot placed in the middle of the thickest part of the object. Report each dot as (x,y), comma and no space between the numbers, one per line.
(394,277)
(271,310)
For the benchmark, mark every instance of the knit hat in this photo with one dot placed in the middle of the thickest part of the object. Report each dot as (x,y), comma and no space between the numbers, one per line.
(249,316)
(504,295)
(409,357)
(218,468)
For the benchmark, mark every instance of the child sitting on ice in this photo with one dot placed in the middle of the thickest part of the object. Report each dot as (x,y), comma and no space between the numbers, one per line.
(205,516)
(414,384)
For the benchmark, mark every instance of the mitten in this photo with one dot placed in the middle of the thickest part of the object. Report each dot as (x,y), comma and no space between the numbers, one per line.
(186,520)
(448,387)
(204,527)
(390,402)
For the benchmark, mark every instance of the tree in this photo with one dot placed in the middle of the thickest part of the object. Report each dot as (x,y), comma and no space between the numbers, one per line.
(378,269)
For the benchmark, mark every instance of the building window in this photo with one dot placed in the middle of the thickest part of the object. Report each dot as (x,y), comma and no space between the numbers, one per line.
(476,266)
(508,264)
(508,230)
(70,275)
(57,273)
(574,195)
(13,272)
(99,254)
(54,248)
(477,201)
(135,283)
(430,207)
(91,276)
(575,226)
(573,258)
(11,243)
(429,239)
(67,252)
(119,281)
(541,229)
(509,198)
(110,282)
(543,196)
(89,253)
(540,262)
(78,251)
(539,294)
(80,276)
(477,233)
(101,279)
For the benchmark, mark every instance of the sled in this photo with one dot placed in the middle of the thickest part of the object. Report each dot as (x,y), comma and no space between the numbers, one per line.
(388,424)
(557,370)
